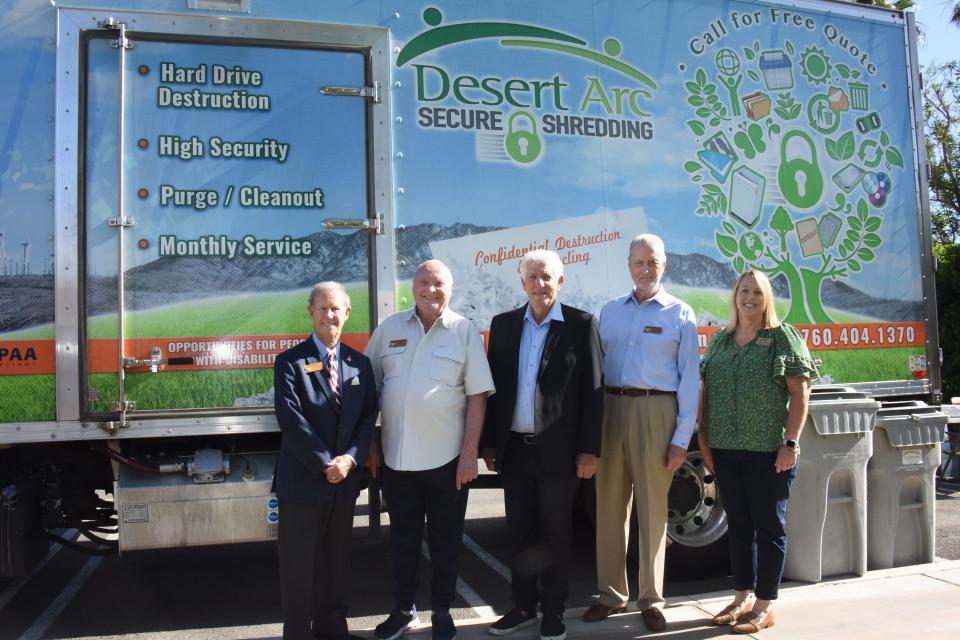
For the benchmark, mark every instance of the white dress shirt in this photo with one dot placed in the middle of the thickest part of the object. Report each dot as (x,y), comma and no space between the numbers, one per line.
(424,379)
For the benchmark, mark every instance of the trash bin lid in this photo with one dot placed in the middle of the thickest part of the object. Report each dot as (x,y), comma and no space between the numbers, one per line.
(952,412)
(912,427)
(894,404)
(833,416)
(834,394)
(831,388)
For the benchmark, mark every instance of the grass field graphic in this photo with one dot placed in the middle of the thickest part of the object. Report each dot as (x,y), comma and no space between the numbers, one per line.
(277,313)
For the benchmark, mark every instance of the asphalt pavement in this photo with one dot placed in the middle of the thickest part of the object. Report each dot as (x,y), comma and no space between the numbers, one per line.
(232,591)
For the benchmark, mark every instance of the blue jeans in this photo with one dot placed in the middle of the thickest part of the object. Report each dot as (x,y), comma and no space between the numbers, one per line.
(754,497)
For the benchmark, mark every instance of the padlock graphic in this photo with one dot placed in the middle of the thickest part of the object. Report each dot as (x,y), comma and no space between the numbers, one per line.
(799,176)
(523,145)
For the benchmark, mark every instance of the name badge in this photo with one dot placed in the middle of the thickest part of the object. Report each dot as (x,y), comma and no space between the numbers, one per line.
(652,329)
(398,343)
(764,342)
(314,367)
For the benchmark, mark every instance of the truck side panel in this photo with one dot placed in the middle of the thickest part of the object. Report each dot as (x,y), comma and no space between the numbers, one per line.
(750,135)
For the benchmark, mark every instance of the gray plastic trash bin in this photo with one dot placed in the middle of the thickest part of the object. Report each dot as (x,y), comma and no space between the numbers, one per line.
(901,485)
(827,512)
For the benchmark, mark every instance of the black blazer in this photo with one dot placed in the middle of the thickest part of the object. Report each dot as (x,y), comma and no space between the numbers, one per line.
(570,383)
(314,430)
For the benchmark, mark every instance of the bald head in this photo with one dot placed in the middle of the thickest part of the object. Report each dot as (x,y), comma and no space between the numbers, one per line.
(432,288)
(435,266)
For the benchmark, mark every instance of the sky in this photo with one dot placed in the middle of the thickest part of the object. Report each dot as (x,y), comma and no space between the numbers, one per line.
(941,45)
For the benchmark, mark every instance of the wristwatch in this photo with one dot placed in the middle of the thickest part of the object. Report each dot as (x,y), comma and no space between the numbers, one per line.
(791,444)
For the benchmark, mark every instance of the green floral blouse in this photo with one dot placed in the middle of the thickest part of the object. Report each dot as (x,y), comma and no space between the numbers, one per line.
(746,392)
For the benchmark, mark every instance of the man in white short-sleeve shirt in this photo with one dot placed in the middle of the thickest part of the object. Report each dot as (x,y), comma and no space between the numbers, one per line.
(433,378)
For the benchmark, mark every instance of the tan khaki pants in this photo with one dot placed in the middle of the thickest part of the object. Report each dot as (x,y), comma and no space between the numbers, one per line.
(636,435)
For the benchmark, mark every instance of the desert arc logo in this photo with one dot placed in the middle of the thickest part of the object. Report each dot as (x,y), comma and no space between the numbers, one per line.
(516,113)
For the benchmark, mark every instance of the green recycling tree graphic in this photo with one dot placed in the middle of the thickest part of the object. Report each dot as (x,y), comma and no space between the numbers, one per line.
(793,163)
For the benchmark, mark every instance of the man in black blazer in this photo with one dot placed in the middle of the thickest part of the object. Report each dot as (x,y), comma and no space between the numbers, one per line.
(542,433)
(325,402)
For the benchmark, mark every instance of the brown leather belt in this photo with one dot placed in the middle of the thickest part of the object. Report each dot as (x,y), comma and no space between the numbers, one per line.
(636,393)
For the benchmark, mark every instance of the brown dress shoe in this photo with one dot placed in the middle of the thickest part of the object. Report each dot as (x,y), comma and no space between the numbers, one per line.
(752,623)
(600,611)
(654,619)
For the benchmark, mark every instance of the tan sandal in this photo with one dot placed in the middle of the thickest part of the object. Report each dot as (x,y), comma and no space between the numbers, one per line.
(750,622)
(727,615)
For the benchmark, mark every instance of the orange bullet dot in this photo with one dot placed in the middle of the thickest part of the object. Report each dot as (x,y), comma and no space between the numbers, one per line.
(143,193)
(143,69)
(144,243)
(142,143)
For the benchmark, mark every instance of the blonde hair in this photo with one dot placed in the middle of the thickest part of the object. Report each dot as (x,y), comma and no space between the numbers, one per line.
(770,319)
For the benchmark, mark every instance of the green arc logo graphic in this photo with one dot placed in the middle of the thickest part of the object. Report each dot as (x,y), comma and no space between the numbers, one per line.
(515,35)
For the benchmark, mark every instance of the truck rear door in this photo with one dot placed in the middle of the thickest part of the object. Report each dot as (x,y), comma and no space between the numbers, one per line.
(221,168)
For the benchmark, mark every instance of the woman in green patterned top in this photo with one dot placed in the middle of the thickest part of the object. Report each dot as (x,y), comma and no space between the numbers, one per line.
(756,384)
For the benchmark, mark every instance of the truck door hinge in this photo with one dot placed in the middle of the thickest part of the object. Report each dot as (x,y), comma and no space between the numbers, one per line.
(355,92)
(121,221)
(121,28)
(369,224)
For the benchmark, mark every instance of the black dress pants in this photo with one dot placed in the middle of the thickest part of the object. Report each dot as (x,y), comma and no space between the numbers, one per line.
(415,496)
(313,540)
(539,509)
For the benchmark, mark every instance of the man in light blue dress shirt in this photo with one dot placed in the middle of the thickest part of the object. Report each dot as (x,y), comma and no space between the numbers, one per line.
(651,372)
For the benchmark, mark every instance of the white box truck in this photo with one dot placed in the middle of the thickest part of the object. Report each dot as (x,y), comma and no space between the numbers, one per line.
(175,175)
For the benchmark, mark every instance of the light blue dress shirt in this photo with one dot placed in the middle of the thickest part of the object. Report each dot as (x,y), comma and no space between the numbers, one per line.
(533,337)
(653,345)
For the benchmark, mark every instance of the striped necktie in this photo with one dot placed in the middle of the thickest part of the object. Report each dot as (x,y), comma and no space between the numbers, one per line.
(334,376)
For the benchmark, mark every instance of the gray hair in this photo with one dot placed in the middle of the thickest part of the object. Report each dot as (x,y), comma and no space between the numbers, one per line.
(651,241)
(328,286)
(435,263)
(549,259)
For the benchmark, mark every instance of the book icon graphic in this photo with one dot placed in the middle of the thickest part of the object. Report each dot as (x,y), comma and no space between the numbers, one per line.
(808,233)
(746,196)
(718,164)
(829,228)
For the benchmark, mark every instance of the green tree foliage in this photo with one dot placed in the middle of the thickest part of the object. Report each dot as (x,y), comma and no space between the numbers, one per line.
(948,312)
(941,107)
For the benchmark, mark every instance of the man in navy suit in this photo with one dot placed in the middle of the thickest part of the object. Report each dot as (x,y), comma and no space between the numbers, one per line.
(325,402)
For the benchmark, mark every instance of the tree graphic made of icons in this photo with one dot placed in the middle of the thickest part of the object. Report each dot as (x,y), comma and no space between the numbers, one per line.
(793,163)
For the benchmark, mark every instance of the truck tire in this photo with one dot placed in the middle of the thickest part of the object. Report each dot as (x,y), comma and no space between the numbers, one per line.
(696,522)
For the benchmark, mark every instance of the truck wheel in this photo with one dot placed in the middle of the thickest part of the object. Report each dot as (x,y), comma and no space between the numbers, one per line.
(696,522)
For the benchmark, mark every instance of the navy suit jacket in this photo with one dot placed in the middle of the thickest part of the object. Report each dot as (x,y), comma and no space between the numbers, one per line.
(569,383)
(314,430)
